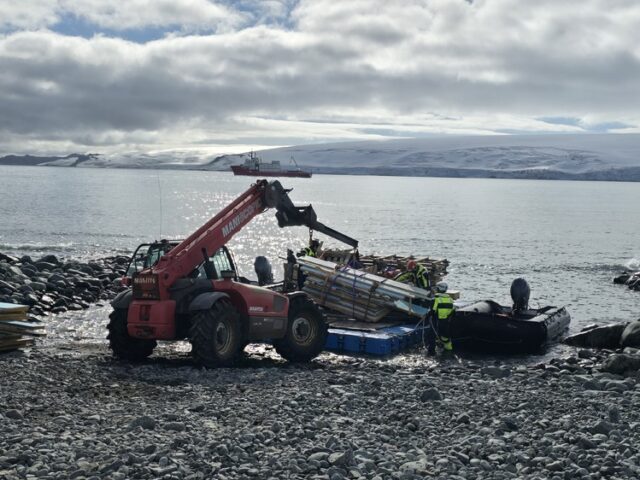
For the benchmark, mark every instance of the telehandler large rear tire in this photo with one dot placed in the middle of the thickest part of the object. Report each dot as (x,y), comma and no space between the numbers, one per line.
(124,346)
(306,332)
(216,336)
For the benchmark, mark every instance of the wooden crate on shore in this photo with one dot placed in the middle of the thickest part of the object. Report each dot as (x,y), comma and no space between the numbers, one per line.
(17,329)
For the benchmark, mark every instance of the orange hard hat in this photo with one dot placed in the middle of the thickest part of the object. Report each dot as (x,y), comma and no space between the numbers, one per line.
(411,265)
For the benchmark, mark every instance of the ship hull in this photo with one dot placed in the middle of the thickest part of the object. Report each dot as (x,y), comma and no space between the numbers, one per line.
(240,170)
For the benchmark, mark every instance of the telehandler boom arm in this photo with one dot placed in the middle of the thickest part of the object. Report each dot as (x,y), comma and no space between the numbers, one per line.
(216,232)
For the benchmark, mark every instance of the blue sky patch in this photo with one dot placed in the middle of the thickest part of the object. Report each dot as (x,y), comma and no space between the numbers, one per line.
(73,25)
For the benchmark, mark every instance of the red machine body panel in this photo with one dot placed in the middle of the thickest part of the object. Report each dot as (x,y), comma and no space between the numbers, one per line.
(253,300)
(152,319)
(266,310)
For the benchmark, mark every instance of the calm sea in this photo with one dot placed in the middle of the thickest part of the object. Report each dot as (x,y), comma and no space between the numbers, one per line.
(568,239)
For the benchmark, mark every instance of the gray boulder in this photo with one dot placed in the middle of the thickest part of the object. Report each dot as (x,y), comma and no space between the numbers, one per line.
(495,372)
(50,259)
(7,286)
(146,422)
(430,394)
(607,336)
(38,286)
(13,414)
(621,363)
(603,427)
(631,335)
(45,266)
(418,467)
(17,273)
(341,458)
(8,258)
(622,278)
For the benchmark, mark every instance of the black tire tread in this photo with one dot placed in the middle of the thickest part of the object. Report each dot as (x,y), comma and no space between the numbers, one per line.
(122,345)
(203,330)
(286,348)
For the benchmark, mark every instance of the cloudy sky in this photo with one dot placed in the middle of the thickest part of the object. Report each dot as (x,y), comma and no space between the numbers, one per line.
(150,75)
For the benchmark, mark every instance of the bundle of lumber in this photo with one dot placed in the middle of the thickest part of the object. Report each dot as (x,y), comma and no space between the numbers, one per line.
(361,295)
(17,329)
(389,265)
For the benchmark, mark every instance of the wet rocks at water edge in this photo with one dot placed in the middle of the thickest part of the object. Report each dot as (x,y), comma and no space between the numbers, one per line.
(83,415)
(630,279)
(51,285)
(612,336)
(631,335)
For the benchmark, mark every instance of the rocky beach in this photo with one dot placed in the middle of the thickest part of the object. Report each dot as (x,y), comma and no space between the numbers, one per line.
(69,410)
(314,192)
(51,285)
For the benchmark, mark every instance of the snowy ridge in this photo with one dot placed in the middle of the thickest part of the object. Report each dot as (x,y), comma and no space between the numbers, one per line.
(567,156)
(594,157)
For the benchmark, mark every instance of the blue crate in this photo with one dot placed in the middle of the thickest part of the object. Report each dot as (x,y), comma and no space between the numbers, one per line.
(382,342)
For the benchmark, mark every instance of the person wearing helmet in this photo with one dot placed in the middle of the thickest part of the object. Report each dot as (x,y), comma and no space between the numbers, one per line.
(415,274)
(311,250)
(440,314)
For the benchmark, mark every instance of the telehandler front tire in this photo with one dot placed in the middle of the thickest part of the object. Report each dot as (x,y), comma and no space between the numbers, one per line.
(122,345)
(216,336)
(306,332)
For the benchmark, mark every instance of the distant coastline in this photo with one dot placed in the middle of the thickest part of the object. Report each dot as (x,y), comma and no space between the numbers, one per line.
(631,174)
(595,157)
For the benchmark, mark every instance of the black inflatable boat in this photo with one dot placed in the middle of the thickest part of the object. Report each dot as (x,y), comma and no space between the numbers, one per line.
(488,326)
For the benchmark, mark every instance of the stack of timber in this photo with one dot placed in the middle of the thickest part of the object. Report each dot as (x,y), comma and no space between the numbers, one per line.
(389,265)
(359,294)
(17,329)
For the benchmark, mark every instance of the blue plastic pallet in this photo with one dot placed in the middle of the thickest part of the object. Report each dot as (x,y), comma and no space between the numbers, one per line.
(382,342)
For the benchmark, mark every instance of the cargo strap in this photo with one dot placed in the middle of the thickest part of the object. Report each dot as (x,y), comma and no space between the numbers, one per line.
(353,294)
(327,288)
(373,288)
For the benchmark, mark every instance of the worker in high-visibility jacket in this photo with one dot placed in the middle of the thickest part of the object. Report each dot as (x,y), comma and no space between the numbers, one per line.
(440,316)
(311,250)
(416,274)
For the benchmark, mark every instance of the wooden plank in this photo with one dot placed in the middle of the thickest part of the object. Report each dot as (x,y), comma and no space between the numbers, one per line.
(7,317)
(20,324)
(13,308)
(10,336)
(15,344)
(26,328)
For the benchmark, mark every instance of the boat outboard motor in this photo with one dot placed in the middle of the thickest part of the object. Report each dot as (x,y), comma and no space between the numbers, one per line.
(263,270)
(520,292)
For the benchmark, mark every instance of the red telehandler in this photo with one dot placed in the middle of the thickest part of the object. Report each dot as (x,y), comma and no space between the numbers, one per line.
(190,290)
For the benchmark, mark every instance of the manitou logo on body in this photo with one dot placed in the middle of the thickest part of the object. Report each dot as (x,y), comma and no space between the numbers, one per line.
(240,218)
(145,280)
(256,309)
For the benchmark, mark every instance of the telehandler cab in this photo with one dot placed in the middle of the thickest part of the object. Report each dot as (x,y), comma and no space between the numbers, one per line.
(190,290)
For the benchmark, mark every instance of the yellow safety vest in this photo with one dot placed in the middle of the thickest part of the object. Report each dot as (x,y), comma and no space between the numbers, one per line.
(419,277)
(443,306)
(308,251)
(422,277)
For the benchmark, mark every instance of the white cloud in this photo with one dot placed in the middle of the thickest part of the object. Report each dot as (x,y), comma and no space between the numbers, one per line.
(28,14)
(326,70)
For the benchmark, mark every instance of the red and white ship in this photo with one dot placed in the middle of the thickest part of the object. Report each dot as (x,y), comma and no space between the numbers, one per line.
(255,167)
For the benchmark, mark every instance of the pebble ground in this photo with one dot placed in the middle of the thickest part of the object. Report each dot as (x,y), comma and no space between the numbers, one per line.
(68,410)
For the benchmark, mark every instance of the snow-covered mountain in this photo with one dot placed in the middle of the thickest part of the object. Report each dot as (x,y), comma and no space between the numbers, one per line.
(566,156)
(597,157)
